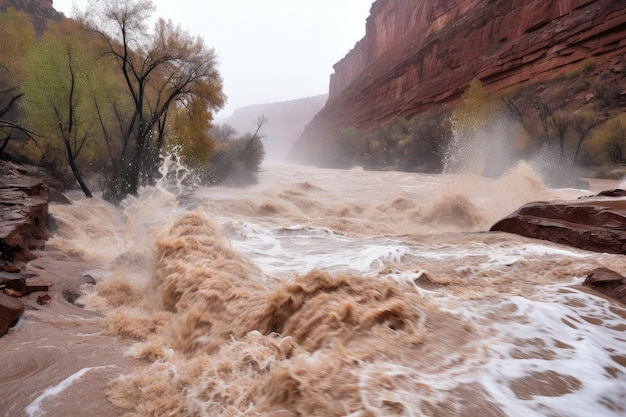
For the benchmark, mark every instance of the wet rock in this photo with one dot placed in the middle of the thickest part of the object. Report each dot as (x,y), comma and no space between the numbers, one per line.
(44,299)
(10,311)
(13,281)
(72,297)
(6,267)
(72,291)
(23,214)
(87,279)
(597,225)
(35,285)
(57,197)
(618,192)
(13,293)
(607,282)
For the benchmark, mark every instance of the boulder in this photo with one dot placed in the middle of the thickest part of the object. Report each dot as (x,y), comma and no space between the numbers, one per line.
(36,285)
(13,281)
(597,224)
(10,310)
(607,282)
(617,192)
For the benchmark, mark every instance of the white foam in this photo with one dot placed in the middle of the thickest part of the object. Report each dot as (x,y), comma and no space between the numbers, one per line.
(34,408)
(509,256)
(572,345)
(297,249)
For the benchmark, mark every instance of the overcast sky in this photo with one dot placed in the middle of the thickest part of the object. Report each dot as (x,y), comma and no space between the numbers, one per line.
(269,50)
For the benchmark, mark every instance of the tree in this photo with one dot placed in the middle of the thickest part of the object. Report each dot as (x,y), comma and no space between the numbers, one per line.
(252,151)
(237,158)
(474,131)
(555,129)
(17,35)
(582,124)
(477,109)
(424,148)
(352,145)
(164,71)
(190,134)
(417,144)
(63,87)
(608,142)
(560,128)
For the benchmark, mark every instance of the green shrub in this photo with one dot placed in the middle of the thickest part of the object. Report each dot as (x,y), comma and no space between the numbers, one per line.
(237,159)
(608,142)
(581,86)
(589,65)
(572,75)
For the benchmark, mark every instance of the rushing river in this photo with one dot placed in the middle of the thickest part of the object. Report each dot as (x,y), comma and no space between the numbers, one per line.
(317,293)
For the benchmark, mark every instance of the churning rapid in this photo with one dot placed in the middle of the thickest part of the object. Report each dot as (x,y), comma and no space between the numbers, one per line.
(327,293)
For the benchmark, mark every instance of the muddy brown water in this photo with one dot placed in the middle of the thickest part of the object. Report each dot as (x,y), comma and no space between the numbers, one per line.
(319,293)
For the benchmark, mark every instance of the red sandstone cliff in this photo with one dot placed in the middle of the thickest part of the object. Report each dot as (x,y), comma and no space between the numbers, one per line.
(419,55)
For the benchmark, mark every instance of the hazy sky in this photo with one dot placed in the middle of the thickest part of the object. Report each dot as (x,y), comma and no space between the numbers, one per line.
(269,50)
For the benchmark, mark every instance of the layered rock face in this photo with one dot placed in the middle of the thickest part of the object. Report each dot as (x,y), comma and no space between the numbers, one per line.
(23,227)
(23,215)
(596,224)
(418,56)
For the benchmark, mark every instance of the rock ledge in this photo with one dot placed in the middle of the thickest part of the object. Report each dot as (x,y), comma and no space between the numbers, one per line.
(595,224)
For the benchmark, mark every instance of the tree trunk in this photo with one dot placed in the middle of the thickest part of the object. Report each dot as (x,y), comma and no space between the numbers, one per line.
(76,172)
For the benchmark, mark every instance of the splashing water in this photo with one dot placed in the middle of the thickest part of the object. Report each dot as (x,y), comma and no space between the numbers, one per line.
(348,293)
(491,146)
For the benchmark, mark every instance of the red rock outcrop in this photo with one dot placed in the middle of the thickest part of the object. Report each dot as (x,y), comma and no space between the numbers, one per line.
(607,282)
(23,227)
(596,224)
(417,56)
(40,11)
(10,311)
(23,215)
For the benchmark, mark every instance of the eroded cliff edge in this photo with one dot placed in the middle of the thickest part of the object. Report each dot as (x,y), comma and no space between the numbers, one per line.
(420,56)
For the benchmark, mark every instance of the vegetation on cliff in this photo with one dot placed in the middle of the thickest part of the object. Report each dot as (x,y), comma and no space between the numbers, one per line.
(555,73)
(107,96)
(418,144)
(575,120)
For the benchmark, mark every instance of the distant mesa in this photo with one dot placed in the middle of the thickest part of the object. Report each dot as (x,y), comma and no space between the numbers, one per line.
(286,121)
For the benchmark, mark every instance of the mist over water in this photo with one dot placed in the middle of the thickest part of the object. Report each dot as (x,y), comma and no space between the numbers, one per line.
(343,293)
(499,144)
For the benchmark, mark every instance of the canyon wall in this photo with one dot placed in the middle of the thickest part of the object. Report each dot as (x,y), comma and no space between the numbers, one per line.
(420,56)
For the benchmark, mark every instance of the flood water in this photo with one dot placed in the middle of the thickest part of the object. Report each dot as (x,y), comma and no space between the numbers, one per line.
(317,293)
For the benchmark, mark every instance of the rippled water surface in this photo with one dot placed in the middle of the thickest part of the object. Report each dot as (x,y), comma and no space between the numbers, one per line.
(318,292)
